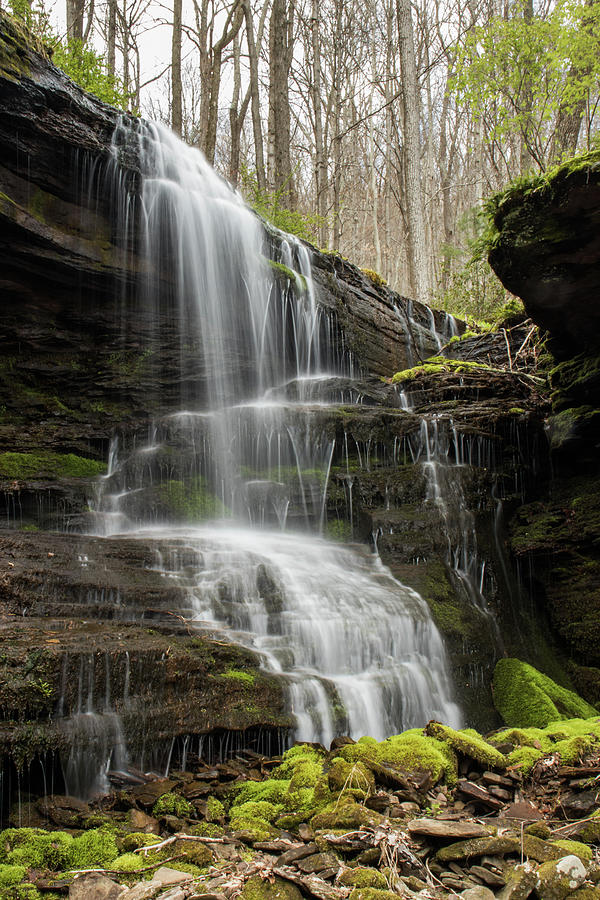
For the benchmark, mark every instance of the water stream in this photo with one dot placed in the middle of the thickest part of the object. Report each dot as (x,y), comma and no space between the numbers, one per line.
(240,474)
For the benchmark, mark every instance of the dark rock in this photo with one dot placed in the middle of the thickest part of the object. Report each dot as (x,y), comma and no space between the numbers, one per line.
(296,853)
(317,862)
(576,806)
(95,886)
(548,252)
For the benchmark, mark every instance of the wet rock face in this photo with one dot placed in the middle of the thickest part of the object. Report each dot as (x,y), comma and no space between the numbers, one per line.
(79,352)
(94,634)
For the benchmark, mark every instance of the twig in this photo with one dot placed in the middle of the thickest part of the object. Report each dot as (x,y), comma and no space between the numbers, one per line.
(507,349)
(182,837)
(155,865)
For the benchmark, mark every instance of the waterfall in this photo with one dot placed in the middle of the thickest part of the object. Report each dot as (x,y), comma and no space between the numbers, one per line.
(240,473)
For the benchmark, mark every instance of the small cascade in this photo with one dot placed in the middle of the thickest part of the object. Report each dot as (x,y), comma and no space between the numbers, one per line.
(358,649)
(250,453)
(96,739)
(442,451)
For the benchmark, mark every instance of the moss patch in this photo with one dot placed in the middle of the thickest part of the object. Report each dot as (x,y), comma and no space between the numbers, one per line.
(525,697)
(47,465)
(435,365)
(191,500)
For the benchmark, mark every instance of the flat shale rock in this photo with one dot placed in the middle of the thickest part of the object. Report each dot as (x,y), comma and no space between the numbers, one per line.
(444,830)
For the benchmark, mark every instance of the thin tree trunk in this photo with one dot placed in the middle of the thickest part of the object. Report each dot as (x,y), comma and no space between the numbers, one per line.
(280,60)
(261,177)
(111,38)
(320,165)
(419,268)
(176,87)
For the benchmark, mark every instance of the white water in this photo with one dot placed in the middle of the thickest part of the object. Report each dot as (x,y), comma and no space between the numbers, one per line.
(358,650)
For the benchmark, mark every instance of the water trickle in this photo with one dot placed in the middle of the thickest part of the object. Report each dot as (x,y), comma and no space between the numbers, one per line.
(358,650)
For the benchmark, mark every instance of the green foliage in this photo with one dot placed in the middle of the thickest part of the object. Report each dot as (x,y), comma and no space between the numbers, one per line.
(172,805)
(87,68)
(45,464)
(81,62)
(570,740)
(517,73)
(271,206)
(525,697)
(472,288)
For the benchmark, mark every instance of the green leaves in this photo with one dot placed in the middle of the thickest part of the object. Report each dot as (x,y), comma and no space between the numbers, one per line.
(518,73)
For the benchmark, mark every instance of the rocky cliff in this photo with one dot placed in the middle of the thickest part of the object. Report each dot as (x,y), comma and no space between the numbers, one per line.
(427,466)
(545,246)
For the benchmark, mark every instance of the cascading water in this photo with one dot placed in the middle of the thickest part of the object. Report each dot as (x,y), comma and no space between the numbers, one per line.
(251,443)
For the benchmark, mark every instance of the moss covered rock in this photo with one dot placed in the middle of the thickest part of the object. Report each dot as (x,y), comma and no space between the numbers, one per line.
(362,877)
(525,697)
(258,889)
(556,880)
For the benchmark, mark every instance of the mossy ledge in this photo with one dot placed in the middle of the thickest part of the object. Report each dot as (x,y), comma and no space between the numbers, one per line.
(526,698)
(46,465)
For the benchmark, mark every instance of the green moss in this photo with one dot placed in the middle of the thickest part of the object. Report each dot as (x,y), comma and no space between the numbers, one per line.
(371,893)
(455,339)
(207,829)
(136,839)
(47,465)
(410,751)
(350,776)
(516,410)
(94,848)
(245,677)
(576,848)
(261,809)
(469,743)
(289,274)
(36,848)
(302,764)
(215,811)
(570,739)
(273,791)
(256,888)
(435,365)
(191,500)
(14,884)
(338,529)
(128,862)
(344,813)
(375,277)
(499,206)
(525,697)
(172,805)
(259,829)
(362,877)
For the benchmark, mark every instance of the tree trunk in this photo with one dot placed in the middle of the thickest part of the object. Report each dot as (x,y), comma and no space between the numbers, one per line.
(75,10)
(111,38)
(261,177)
(280,61)
(176,99)
(419,269)
(320,164)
